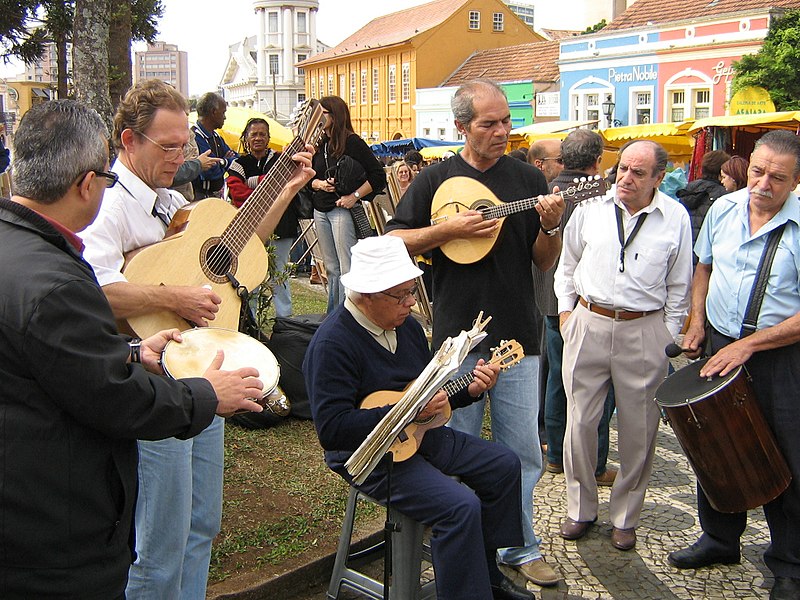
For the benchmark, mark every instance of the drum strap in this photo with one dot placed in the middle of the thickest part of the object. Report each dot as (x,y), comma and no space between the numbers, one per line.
(760,283)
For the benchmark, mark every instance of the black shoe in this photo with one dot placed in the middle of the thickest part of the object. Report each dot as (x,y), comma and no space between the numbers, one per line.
(508,590)
(785,588)
(703,553)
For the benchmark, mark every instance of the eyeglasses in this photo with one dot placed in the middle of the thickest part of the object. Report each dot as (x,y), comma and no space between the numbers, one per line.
(111,178)
(409,293)
(171,153)
(558,159)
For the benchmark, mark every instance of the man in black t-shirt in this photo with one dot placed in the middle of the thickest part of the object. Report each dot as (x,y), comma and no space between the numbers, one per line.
(499,283)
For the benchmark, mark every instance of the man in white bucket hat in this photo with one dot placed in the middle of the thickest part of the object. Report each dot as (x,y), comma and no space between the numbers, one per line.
(372,343)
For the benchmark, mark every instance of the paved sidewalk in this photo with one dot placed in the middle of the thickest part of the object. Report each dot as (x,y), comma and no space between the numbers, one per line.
(593,569)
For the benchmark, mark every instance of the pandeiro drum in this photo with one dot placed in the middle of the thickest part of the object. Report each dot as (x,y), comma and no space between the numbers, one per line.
(192,356)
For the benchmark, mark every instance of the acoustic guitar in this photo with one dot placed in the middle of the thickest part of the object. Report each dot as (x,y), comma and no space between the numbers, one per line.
(210,243)
(460,194)
(405,446)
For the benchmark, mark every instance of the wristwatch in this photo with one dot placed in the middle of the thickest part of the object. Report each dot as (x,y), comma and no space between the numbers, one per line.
(550,232)
(136,350)
(357,195)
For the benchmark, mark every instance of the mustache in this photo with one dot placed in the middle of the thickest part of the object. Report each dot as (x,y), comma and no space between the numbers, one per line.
(763,193)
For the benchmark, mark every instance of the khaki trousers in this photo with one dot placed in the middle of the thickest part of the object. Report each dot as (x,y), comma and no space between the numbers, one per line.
(599,351)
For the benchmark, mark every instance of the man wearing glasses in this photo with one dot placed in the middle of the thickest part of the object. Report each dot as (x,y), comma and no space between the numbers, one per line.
(72,403)
(174,526)
(545,155)
(372,343)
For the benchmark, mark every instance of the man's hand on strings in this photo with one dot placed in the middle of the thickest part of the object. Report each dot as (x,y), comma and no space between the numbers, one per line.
(485,376)
(434,406)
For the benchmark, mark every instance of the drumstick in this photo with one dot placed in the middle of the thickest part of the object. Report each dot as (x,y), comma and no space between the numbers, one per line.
(674,351)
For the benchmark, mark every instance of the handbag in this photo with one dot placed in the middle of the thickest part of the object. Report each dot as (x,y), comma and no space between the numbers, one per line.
(348,177)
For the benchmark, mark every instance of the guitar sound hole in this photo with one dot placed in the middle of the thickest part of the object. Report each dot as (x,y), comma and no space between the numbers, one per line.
(217,261)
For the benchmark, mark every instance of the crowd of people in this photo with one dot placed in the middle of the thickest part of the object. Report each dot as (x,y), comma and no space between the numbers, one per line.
(131,498)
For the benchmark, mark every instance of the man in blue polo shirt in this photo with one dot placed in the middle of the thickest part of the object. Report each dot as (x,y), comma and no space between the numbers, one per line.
(729,249)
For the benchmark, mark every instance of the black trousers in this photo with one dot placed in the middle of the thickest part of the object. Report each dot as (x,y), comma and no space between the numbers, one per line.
(776,383)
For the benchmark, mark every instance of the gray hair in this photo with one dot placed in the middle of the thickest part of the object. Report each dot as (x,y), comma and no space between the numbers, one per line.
(57,142)
(661,155)
(782,141)
(581,149)
(462,104)
(208,103)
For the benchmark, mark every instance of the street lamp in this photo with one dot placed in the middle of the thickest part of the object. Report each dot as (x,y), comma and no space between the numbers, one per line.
(608,112)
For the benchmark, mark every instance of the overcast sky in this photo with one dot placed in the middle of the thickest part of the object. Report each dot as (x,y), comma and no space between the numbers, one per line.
(205,29)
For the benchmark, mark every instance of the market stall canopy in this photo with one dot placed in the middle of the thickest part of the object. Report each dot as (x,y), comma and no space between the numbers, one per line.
(432,152)
(400,147)
(670,135)
(545,129)
(775,120)
(236,118)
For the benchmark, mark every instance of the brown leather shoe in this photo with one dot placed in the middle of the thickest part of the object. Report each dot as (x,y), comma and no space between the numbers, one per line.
(539,572)
(623,539)
(553,468)
(607,478)
(573,530)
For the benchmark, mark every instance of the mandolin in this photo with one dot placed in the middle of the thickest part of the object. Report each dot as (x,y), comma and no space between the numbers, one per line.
(405,446)
(210,243)
(460,194)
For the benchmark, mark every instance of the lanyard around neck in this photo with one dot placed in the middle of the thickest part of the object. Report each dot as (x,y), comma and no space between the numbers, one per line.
(621,234)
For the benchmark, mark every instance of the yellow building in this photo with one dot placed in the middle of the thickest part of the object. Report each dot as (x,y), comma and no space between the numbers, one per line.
(378,69)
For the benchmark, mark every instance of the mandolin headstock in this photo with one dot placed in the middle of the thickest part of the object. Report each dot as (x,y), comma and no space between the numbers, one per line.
(507,354)
(586,188)
(308,121)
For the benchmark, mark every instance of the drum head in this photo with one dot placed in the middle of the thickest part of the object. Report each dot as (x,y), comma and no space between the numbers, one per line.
(686,386)
(191,357)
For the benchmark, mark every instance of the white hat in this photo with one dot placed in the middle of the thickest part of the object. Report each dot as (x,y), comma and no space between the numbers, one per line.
(379,263)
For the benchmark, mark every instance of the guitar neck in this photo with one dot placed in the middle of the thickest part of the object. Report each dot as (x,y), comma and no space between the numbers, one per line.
(454,386)
(250,215)
(509,208)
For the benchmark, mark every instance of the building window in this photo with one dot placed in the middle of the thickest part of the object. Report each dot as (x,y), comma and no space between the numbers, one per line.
(272,22)
(586,107)
(392,83)
(274,64)
(497,22)
(441,133)
(352,87)
(702,104)
(313,88)
(406,82)
(330,85)
(426,132)
(301,58)
(363,86)
(342,84)
(643,106)
(376,87)
(301,97)
(302,26)
(474,20)
(321,85)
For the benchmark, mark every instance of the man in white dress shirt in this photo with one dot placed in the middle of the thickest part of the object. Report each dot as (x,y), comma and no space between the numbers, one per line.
(179,505)
(623,293)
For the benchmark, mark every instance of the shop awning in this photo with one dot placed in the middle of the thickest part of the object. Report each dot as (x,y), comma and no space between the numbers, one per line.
(236,118)
(775,120)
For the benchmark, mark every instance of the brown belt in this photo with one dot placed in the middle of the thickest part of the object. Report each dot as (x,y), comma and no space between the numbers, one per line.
(617,315)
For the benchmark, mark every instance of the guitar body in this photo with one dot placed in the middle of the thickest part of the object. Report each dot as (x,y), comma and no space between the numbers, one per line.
(457,195)
(407,443)
(186,259)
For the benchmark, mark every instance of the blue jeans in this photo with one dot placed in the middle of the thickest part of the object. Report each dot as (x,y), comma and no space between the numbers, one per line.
(514,404)
(555,403)
(281,294)
(178,514)
(337,235)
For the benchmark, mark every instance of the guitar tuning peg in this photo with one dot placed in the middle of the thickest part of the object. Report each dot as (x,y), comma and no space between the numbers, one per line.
(583,179)
(575,180)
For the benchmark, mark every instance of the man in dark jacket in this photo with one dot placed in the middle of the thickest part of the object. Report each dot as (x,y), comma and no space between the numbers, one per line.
(700,194)
(72,404)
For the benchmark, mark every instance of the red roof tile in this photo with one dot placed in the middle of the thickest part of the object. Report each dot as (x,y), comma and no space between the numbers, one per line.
(643,12)
(524,62)
(392,29)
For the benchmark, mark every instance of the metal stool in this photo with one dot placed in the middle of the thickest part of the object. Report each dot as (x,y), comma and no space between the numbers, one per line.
(408,550)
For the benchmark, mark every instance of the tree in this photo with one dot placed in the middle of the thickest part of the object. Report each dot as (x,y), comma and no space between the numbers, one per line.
(17,38)
(90,55)
(595,28)
(776,65)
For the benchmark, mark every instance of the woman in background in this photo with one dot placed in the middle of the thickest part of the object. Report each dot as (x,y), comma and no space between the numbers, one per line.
(733,173)
(334,224)
(404,176)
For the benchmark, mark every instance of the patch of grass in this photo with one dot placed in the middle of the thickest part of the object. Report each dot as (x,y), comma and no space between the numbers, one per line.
(281,503)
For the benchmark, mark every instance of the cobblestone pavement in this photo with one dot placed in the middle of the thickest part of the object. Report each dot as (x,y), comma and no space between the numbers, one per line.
(592,569)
